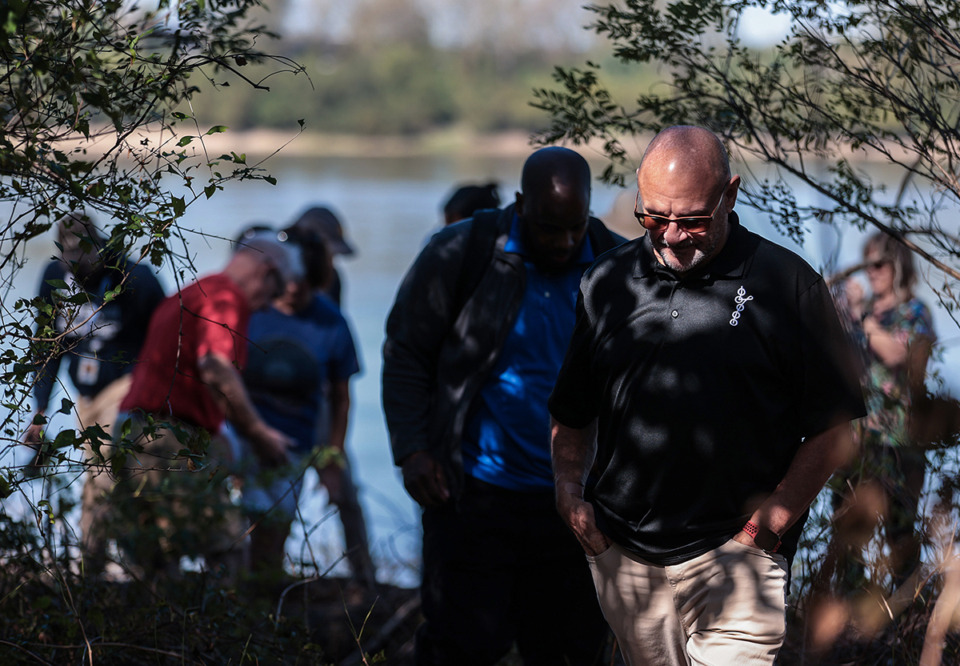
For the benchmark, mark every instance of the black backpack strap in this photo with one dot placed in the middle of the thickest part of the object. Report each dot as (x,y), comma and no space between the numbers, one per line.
(602,238)
(477,255)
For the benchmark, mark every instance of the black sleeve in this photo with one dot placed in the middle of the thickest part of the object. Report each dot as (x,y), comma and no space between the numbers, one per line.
(47,368)
(831,391)
(574,401)
(420,319)
(141,298)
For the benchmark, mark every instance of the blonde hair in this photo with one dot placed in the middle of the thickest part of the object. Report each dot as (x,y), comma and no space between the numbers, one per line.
(900,257)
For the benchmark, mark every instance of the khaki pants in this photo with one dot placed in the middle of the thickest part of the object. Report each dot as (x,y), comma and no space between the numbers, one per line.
(724,607)
(167,504)
(94,508)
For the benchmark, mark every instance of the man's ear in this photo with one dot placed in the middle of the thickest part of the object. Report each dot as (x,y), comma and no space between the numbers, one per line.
(733,187)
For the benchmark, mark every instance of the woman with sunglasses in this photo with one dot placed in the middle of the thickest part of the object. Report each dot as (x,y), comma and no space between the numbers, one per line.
(894,329)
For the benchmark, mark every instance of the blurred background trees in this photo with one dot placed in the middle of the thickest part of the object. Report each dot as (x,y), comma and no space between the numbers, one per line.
(388,67)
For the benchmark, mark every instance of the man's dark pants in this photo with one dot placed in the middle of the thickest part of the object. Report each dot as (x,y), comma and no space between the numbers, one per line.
(500,566)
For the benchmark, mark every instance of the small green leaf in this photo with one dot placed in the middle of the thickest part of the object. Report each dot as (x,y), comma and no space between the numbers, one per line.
(64,439)
(184,141)
(217,129)
(111,294)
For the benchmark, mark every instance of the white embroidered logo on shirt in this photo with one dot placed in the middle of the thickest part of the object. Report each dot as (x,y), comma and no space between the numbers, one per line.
(741,300)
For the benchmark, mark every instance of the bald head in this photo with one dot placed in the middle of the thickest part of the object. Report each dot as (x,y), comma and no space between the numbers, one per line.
(552,168)
(685,175)
(80,244)
(554,206)
(688,149)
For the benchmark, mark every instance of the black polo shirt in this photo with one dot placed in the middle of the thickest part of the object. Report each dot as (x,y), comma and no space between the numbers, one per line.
(704,386)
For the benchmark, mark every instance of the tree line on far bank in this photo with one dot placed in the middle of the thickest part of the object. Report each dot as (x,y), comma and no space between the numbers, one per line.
(401,88)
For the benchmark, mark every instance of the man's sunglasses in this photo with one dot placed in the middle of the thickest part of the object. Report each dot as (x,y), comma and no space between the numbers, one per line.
(694,224)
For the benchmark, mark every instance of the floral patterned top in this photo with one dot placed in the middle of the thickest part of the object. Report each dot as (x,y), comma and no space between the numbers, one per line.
(886,390)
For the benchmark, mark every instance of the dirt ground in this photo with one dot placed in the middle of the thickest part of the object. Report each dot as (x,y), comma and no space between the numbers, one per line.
(351,623)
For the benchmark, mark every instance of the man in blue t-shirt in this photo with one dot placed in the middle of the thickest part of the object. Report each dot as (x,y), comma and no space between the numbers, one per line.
(301,359)
(471,355)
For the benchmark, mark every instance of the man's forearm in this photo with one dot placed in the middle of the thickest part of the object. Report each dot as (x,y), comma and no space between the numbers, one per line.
(43,382)
(572,451)
(339,414)
(226,385)
(816,459)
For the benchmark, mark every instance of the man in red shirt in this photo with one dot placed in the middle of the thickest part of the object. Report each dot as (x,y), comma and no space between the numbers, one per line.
(188,381)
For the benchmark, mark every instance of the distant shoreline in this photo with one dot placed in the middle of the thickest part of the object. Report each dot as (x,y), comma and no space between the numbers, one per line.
(266,143)
(263,143)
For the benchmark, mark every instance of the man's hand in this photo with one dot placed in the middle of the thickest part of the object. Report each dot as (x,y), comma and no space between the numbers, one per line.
(424,479)
(579,517)
(572,451)
(33,436)
(271,446)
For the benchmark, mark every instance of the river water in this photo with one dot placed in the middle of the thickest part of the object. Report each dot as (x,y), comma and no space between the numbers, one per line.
(389,206)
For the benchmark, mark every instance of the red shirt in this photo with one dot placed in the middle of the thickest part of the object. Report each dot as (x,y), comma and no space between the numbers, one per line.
(210,315)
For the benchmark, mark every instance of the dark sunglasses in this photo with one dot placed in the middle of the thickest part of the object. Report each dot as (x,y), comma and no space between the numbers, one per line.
(694,224)
(877,265)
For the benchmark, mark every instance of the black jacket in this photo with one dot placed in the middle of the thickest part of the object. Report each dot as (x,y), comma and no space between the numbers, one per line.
(110,341)
(438,353)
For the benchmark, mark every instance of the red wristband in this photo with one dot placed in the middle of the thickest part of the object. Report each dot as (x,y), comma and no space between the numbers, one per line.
(765,539)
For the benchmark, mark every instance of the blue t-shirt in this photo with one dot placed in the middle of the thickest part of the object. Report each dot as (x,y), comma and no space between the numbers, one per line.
(506,441)
(291,360)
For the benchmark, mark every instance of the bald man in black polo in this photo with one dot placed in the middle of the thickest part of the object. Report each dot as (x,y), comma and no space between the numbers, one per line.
(711,367)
